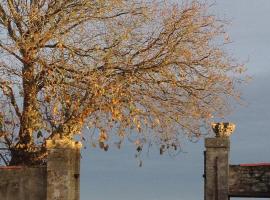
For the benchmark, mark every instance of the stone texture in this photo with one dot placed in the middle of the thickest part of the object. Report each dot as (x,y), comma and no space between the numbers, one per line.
(223,181)
(215,143)
(63,170)
(23,183)
(216,168)
(249,181)
(223,129)
(59,180)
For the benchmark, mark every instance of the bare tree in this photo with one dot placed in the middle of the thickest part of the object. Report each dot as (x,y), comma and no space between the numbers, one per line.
(146,70)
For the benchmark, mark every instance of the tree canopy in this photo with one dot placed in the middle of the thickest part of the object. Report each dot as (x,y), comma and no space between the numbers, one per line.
(152,71)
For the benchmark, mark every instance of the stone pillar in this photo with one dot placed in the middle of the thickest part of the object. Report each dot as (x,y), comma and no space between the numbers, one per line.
(217,163)
(216,168)
(63,168)
(77,170)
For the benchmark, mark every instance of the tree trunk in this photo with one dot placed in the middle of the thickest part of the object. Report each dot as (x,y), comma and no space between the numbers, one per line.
(25,150)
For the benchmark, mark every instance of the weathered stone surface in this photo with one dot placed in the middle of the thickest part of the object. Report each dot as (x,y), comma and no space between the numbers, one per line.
(217,143)
(23,183)
(63,168)
(64,143)
(223,129)
(59,180)
(216,168)
(223,180)
(249,181)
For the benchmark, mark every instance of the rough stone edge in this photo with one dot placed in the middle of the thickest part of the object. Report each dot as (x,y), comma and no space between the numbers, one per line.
(217,142)
(63,144)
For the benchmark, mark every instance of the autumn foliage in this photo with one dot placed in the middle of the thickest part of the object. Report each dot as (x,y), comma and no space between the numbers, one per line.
(145,70)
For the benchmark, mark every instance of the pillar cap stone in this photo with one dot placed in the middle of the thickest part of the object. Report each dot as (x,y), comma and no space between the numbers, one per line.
(217,142)
(64,143)
(223,129)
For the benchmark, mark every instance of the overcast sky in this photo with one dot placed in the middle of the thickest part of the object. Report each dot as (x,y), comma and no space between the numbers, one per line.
(115,175)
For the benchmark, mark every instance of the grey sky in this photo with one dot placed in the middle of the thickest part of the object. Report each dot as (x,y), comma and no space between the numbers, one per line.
(115,175)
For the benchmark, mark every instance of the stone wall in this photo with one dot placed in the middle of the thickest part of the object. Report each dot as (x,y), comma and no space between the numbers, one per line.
(23,183)
(249,181)
(223,180)
(58,180)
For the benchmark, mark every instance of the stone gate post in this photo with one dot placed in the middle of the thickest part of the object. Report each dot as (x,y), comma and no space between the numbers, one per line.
(216,168)
(63,169)
(217,163)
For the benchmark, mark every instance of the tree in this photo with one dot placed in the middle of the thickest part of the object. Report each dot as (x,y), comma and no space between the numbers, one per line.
(150,71)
